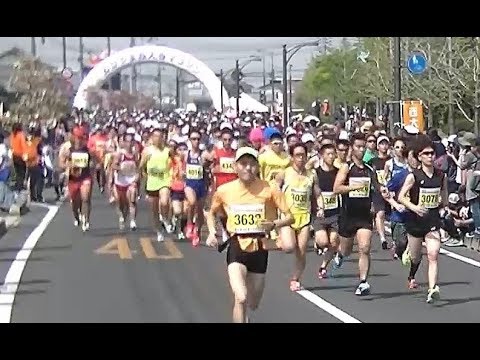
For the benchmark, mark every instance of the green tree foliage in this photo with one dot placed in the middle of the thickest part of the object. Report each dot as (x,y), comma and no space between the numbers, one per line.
(449,88)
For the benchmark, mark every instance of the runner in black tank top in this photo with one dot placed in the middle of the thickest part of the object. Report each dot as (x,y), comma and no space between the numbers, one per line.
(326,229)
(380,206)
(424,194)
(356,181)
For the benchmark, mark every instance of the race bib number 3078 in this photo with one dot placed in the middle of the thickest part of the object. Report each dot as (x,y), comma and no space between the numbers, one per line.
(429,198)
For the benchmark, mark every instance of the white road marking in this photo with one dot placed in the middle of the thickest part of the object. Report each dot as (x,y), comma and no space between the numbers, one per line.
(327,307)
(12,280)
(450,254)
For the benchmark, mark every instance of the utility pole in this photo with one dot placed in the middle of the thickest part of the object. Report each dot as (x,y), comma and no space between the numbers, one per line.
(285,89)
(64,51)
(109,51)
(273,86)
(221,89)
(80,55)
(451,120)
(177,87)
(133,74)
(290,87)
(397,81)
(33,46)
(237,80)
(159,79)
(264,72)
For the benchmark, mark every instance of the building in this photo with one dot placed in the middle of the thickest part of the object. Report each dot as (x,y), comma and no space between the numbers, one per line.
(278,93)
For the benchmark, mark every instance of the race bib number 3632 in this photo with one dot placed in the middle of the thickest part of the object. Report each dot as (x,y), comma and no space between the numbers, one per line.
(429,198)
(246,218)
(363,192)
(226,165)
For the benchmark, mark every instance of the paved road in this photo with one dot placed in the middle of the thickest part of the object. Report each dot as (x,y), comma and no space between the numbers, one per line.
(71,277)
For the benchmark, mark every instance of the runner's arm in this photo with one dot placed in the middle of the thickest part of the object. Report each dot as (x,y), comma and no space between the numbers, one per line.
(115,161)
(215,207)
(278,198)
(280,178)
(317,192)
(143,162)
(339,186)
(402,196)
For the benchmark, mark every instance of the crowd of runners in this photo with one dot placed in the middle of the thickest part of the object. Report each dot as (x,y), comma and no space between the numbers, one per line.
(259,187)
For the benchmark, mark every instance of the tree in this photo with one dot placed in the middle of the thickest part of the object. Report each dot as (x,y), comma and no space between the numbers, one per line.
(41,92)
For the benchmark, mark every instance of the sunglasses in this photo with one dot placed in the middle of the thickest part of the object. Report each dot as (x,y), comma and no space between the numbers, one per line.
(428,153)
(276,143)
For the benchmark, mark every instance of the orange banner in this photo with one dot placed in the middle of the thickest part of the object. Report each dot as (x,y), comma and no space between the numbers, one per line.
(413,114)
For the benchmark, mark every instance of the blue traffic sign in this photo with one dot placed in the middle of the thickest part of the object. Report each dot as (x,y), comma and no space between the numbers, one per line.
(417,63)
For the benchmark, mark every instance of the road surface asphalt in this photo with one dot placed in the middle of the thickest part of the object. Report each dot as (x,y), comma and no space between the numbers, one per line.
(71,277)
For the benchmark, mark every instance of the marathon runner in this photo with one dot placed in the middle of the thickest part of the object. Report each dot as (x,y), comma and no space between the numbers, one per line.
(195,187)
(178,188)
(427,194)
(380,206)
(299,184)
(251,206)
(355,181)
(155,164)
(326,228)
(125,173)
(76,160)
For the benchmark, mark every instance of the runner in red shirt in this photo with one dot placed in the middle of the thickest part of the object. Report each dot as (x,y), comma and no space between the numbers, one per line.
(223,171)
(223,160)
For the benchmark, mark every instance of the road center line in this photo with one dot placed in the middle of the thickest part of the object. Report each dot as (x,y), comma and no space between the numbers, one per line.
(15,272)
(327,307)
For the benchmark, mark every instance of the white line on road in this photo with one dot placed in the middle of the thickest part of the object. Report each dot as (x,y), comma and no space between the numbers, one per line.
(327,307)
(451,254)
(15,272)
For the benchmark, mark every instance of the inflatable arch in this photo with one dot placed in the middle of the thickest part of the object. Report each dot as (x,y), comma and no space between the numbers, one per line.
(152,54)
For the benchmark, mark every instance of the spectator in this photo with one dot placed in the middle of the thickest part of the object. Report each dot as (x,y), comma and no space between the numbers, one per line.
(457,221)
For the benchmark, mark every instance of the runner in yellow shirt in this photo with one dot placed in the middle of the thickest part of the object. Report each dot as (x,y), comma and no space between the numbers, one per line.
(251,206)
(299,184)
(274,160)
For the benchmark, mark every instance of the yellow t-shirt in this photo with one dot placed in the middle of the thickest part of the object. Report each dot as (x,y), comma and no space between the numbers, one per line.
(298,190)
(246,207)
(338,163)
(271,164)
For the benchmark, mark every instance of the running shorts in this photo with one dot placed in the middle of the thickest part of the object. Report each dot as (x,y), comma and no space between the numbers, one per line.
(75,185)
(328,224)
(420,227)
(255,262)
(300,221)
(177,195)
(348,225)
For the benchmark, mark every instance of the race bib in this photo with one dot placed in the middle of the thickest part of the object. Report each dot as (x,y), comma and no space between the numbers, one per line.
(79,159)
(429,198)
(299,198)
(194,172)
(156,172)
(330,200)
(363,192)
(246,219)
(381,177)
(226,165)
